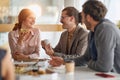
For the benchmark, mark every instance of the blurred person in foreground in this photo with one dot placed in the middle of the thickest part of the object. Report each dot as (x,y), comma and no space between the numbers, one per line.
(6,66)
(24,39)
(73,41)
(103,52)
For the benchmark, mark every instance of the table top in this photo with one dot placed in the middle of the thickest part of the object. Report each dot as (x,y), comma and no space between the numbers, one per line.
(81,73)
(84,73)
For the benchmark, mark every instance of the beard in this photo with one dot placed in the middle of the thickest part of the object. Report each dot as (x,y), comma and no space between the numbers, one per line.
(88,24)
(65,26)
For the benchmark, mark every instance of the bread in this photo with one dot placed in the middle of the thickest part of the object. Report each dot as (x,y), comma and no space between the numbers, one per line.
(23,30)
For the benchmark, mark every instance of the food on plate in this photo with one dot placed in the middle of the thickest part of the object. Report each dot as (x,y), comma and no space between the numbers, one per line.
(40,71)
(21,65)
(36,60)
(19,70)
(37,72)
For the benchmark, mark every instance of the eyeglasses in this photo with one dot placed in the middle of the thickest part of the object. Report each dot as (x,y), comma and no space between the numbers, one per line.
(63,17)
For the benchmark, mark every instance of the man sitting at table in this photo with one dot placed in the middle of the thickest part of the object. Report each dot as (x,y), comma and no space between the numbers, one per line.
(73,41)
(103,52)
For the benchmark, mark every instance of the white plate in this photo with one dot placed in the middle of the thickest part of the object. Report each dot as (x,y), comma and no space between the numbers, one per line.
(29,63)
(60,69)
(39,61)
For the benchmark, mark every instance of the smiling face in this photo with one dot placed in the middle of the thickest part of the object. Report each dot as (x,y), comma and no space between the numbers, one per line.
(26,18)
(86,21)
(65,20)
(29,21)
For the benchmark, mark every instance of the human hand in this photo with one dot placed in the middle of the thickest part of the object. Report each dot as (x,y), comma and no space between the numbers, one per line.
(44,43)
(20,56)
(23,35)
(49,50)
(15,56)
(56,61)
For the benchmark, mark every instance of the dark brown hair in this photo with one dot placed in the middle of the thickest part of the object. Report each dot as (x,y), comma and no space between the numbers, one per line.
(24,13)
(71,11)
(96,9)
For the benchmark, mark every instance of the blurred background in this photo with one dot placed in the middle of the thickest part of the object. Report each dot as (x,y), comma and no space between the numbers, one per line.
(48,13)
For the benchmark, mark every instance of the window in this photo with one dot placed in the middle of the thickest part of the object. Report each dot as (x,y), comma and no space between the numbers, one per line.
(47,11)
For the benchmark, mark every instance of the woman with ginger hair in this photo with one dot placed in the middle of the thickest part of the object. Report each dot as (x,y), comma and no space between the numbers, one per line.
(24,39)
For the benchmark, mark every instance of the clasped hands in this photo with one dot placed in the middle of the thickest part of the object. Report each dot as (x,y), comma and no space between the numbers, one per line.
(55,61)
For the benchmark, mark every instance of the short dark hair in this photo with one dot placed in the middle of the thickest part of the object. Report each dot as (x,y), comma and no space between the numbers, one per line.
(96,9)
(71,11)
